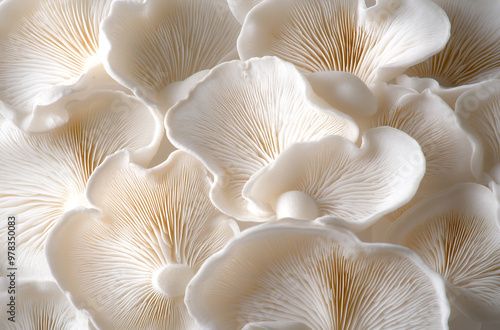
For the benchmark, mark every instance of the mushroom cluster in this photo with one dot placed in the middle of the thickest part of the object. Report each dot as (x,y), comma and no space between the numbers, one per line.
(250,164)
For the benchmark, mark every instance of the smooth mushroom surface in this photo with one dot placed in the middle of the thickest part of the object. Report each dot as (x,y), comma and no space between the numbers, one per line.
(287,276)
(45,174)
(375,43)
(242,115)
(333,177)
(49,49)
(40,305)
(478,112)
(147,46)
(471,56)
(457,233)
(127,263)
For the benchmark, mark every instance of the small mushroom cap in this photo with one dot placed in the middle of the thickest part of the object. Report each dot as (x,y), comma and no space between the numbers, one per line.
(358,185)
(478,112)
(471,56)
(40,305)
(457,233)
(166,41)
(242,115)
(127,265)
(312,277)
(49,50)
(434,125)
(375,43)
(43,175)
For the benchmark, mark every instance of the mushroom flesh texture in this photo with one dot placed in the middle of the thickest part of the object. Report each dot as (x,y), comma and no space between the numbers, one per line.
(457,233)
(128,263)
(288,276)
(45,174)
(242,115)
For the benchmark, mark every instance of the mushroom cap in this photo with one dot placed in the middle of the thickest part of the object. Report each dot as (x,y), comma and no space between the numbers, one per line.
(242,115)
(285,274)
(49,50)
(471,56)
(478,112)
(41,305)
(358,185)
(146,46)
(127,264)
(434,125)
(457,233)
(375,43)
(45,174)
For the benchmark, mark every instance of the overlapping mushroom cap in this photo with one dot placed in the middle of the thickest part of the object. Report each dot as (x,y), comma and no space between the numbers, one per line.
(457,233)
(147,46)
(129,264)
(49,49)
(434,125)
(242,115)
(333,177)
(471,56)
(375,43)
(284,275)
(40,305)
(43,175)
(478,112)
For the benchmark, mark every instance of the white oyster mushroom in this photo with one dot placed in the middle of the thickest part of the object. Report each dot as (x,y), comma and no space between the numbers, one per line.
(147,46)
(471,56)
(41,305)
(240,8)
(45,174)
(375,43)
(287,276)
(49,50)
(334,178)
(242,115)
(434,125)
(478,112)
(128,264)
(457,233)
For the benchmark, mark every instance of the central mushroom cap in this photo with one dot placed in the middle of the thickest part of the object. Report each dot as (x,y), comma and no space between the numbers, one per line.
(172,279)
(296,204)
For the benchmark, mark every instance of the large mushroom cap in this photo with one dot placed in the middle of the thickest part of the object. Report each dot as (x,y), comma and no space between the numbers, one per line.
(288,276)
(128,264)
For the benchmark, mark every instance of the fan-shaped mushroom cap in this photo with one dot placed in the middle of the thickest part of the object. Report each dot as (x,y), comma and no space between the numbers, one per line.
(471,56)
(128,265)
(40,305)
(433,124)
(376,43)
(457,233)
(166,41)
(45,174)
(315,278)
(478,112)
(242,115)
(49,50)
(332,177)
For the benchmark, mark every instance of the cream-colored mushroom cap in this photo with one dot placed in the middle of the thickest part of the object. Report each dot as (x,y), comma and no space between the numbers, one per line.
(40,305)
(478,112)
(128,264)
(43,175)
(242,115)
(375,43)
(146,46)
(333,177)
(49,48)
(287,276)
(471,56)
(457,233)
(434,125)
